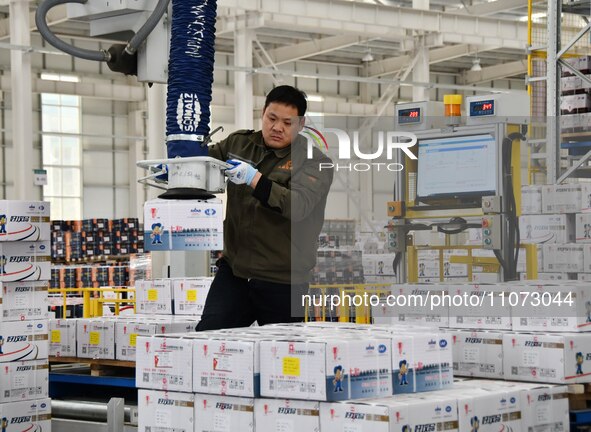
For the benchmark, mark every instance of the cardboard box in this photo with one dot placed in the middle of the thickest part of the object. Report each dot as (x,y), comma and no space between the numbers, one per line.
(477,353)
(531,199)
(329,368)
(547,228)
(419,311)
(223,413)
(564,198)
(25,261)
(165,411)
(563,258)
(24,380)
(227,365)
(406,413)
(547,358)
(154,296)
(190,295)
(272,415)
(522,259)
(22,301)
(586,197)
(164,363)
(421,362)
(24,221)
(34,415)
(95,338)
(23,340)
(583,228)
(62,337)
(552,308)
(127,331)
(545,409)
(489,411)
(489,312)
(183,225)
(356,416)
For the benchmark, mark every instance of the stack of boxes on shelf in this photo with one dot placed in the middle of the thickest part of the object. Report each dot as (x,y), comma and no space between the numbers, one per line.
(558,217)
(163,306)
(24,272)
(327,377)
(89,238)
(575,100)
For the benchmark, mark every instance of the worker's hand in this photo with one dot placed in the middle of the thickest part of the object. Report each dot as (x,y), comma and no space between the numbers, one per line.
(241,173)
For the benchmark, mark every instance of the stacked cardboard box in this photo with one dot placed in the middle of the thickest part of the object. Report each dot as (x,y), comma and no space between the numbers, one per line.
(24,272)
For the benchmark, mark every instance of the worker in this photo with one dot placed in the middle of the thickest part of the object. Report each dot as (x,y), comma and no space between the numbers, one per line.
(275,211)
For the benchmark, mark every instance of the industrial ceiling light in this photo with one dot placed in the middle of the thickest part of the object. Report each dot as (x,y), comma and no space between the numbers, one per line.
(368,57)
(476,65)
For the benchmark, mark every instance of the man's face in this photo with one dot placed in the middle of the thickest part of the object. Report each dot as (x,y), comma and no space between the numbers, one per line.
(280,125)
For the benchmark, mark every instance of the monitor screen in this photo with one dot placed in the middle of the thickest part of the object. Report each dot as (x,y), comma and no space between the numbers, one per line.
(457,166)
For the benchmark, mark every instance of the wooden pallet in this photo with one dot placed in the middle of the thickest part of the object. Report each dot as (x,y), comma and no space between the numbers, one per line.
(579,397)
(99,367)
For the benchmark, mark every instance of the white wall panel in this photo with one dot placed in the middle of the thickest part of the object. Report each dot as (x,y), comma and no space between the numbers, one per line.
(98,168)
(122,204)
(121,168)
(97,202)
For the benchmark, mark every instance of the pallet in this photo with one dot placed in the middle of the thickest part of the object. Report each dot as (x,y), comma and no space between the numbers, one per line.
(99,367)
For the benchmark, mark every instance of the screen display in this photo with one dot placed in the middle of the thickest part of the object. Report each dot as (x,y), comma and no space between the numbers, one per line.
(482,108)
(409,116)
(456,166)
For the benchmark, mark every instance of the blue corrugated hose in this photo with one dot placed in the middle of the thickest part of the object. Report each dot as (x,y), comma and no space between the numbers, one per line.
(190,76)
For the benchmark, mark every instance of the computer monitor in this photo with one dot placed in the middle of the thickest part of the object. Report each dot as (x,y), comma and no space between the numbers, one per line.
(461,167)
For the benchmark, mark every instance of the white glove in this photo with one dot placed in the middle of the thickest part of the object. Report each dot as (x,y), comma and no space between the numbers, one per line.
(241,173)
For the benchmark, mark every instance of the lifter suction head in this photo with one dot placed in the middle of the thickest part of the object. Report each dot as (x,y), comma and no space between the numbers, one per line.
(186,194)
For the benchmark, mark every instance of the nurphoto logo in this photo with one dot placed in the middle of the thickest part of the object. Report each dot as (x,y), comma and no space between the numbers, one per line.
(349,147)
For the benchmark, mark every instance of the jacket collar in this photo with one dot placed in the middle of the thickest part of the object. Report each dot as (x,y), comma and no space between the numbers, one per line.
(279,153)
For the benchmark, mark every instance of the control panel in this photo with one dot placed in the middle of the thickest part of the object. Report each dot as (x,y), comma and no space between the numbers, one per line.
(492,226)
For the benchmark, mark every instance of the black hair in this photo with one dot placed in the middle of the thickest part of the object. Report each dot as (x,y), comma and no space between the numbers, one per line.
(288,95)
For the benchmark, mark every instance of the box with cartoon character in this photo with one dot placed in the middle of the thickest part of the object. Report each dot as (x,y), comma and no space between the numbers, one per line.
(272,415)
(421,361)
(25,261)
(489,410)
(183,225)
(33,415)
(164,362)
(24,221)
(544,407)
(326,368)
(548,358)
